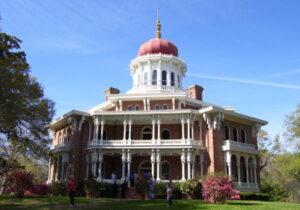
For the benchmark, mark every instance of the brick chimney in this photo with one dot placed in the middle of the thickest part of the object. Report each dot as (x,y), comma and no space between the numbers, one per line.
(195,92)
(110,91)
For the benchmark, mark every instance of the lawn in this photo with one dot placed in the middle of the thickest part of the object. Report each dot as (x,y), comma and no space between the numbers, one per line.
(9,202)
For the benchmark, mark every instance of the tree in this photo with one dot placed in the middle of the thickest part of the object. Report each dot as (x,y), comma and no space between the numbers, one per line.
(292,124)
(18,182)
(24,111)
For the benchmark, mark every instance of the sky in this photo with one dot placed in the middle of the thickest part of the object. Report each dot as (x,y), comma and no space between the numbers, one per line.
(245,53)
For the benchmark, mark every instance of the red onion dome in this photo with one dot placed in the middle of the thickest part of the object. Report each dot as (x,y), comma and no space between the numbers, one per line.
(158,45)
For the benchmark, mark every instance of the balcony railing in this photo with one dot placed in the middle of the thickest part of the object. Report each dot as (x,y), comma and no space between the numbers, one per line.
(62,147)
(239,146)
(163,142)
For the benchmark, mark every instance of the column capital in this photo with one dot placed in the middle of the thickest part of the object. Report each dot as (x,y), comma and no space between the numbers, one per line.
(128,157)
(102,122)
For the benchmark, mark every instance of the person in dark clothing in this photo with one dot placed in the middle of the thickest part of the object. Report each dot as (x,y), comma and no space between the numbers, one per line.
(123,189)
(115,190)
(72,187)
(131,178)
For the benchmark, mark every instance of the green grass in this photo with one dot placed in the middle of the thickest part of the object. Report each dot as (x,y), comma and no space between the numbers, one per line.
(9,202)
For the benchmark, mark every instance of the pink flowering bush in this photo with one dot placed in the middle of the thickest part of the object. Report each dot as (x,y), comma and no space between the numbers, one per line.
(40,189)
(19,182)
(218,190)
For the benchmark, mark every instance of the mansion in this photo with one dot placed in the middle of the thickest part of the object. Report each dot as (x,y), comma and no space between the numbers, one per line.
(156,127)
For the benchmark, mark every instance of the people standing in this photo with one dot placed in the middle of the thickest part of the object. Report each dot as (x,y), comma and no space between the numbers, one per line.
(169,194)
(123,189)
(152,190)
(113,177)
(131,178)
(72,188)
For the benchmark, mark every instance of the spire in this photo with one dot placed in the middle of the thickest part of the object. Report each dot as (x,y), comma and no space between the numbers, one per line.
(158,34)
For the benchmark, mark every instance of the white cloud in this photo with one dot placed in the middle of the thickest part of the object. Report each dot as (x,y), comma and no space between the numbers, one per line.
(286,73)
(255,82)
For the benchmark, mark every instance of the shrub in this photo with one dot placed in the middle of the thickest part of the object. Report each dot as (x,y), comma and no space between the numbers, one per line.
(58,189)
(40,189)
(192,188)
(177,193)
(142,187)
(106,190)
(275,191)
(218,190)
(160,190)
(18,182)
(80,189)
(90,185)
(255,196)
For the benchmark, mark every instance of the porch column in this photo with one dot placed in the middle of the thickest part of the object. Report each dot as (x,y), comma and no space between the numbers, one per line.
(153,131)
(188,128)
(182,128)
(189,164)
(247,170)
(239,169)
(173,102)
(158,159)
(193,165)
(229,168)
(102,129)
(201,164)
(228,163)
(96,128)
(94,163)
(123,165)
(183,165)
(200,132)
(124,131)
(255,175)
(153,164)
(145,105)
(100,159)
(128,165)
(158,131)
(90,130)
(193,136)
(129,134)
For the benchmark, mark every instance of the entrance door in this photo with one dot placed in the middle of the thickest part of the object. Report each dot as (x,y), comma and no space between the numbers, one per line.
(145,167)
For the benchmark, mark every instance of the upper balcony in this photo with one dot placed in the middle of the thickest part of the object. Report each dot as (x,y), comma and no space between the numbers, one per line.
(62,147)
(169,143)
(236,146)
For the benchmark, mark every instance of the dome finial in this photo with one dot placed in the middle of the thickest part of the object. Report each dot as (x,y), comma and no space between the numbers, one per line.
(158,34)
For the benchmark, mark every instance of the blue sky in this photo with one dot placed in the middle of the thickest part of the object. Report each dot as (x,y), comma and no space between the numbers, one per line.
(244,53)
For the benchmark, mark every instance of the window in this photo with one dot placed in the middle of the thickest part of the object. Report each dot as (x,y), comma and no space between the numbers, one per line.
(165,171)
(178,81)
(243,136)
(157,107)
(235,134)
(99,132)
(154,77)
(145,78)
(104,135)
(172,79)
(227,135)
(130,108)
(164,78)
(147,133)
(165,106)
(165,134)
(137,107)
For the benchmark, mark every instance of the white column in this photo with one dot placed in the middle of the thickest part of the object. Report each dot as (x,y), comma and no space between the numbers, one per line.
(158,131)
(201,164)
(229,169)
(188,128)
(255,175)
(153,164)
(159,74)
(124,131)
(238,162)
(148,104)
(128,165)
(193,136)
(90,130)
(183,165)
(173,102)
(247,169)
(158,159)
(189,164)
(193,166)
(100,159)
(102,129)
(200,132)
(96,128)
(182,128)
(120,105)
(145,104)
(168,78)
(129,135)
(123,165)
(153,131)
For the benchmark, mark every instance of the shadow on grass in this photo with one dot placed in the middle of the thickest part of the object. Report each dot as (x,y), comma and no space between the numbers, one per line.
(244,204)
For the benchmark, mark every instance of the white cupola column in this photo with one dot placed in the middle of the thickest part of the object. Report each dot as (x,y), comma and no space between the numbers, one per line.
(182,128)
(183,165)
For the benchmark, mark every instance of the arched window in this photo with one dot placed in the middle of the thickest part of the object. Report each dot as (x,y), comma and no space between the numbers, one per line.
(235,134)
(234,168)
(145,167)
(154,77)
(165,171)
(227,135)
(243,169)
(147,133)
(68,135)
(178,81)
(165,106)
(165,134)
(129,108)
(145,78)
(164,78)
(137,107)
(243,136)
(172,79)
(251,170)
(157,107)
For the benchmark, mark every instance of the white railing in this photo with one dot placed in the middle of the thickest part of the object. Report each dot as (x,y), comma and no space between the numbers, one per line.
(172,142)
(234,145)
(65,146)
